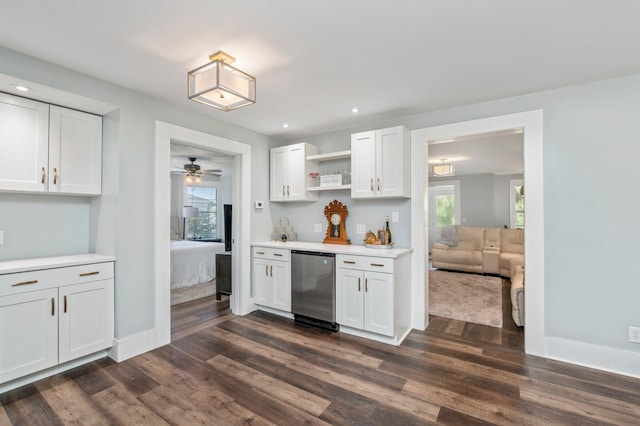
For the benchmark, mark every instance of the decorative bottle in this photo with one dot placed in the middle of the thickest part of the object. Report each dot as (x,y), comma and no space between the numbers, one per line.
(387,232)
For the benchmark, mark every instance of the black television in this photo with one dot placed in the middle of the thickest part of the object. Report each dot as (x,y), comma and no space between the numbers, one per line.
(227,227)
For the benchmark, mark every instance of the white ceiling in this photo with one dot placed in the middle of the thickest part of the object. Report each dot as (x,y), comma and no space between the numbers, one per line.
(316,60)
(499,154)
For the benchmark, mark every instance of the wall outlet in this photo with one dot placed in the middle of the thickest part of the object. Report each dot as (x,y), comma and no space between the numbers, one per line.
(1,238)
(317,227)
(634,334)
(361,229)
(395,217)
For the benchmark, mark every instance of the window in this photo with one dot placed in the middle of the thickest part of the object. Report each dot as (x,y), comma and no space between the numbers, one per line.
(444,207)
(516,201)
(205,199)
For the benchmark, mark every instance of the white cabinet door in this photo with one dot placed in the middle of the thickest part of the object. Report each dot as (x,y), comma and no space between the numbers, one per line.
(24,135)
(390,162)
(28,333)
(281,285)
(278,171)
(378,303)
(363,164)
(261,282)
(380,163)
(296,183)
(86,318)
(349,298)
(75,152)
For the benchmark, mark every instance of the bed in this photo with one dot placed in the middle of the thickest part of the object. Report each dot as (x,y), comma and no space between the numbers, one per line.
(193,262)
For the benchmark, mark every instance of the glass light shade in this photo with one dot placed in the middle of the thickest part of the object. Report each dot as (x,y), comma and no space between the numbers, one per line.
(443,170)
(221,86)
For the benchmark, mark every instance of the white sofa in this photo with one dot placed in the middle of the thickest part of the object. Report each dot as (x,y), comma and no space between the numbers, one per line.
(498,251)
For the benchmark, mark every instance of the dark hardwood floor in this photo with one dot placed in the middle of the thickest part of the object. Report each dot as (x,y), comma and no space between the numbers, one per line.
(263,369)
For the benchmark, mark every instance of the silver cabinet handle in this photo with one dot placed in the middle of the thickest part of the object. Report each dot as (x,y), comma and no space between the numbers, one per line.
(65,304)
(283,190)
(43,174)
(271,270)
(349,262)
(366,285)
(55,176)
(24,283)
(359,283)
(259,252)
(277,254)
(288,190)
(371,185)
(378,184)
(266,270)
(86,274)
(53,306)
(377,264)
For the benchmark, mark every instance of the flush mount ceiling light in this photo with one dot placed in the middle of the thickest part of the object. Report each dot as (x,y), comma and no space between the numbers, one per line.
(220,85)
(444,169)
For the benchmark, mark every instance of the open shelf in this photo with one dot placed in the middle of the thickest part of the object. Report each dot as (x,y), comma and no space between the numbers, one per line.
(328,188)
(330,156)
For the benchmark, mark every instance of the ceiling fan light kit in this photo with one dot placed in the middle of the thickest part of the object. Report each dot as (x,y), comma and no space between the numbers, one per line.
(220,85)
(193,171)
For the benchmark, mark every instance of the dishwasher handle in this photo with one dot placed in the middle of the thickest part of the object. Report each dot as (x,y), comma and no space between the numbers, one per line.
(313,253)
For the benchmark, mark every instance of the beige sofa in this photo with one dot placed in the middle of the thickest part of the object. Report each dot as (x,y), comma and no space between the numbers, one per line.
(487,251)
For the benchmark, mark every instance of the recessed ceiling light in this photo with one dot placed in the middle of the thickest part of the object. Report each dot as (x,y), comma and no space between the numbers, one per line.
(354,110)
(285,125)
(21,88)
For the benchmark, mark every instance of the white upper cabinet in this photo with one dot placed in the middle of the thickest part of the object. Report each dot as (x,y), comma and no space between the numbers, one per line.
(289,172)
(47,148)
(75,152)
(380,163)
(24,145)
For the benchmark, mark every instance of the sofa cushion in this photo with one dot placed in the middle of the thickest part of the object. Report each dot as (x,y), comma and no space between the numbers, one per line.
(505,262)
(470,238)
(492,237)
(512,241)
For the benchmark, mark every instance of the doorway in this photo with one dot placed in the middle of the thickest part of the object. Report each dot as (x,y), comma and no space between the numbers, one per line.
(530,123)
(241,230)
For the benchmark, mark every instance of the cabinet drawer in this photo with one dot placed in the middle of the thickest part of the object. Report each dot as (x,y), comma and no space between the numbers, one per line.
(365,263)
(23,282)
(271,253)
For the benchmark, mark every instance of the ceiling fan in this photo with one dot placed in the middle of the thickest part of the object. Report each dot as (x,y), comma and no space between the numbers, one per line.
(193,171)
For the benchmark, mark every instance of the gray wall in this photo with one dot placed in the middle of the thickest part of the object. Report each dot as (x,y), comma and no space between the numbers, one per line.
(121,222)
(484,198)
(590,244)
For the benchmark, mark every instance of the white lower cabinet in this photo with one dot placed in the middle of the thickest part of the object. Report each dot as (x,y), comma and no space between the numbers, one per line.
(271,278)
(44,322)
(364,298)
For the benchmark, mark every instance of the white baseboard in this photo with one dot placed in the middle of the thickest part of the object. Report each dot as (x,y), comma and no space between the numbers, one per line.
(613,360)
(130,346)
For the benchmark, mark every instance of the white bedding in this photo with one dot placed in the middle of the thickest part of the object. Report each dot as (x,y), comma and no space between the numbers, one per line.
(193,262)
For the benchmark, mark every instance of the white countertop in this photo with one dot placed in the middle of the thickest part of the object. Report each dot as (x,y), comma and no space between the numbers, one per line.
(23,265)
(358,250)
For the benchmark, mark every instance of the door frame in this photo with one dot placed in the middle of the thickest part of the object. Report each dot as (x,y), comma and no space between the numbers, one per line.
(241,228)
(531,123)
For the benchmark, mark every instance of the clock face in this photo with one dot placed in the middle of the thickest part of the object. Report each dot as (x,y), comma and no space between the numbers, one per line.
(335,219)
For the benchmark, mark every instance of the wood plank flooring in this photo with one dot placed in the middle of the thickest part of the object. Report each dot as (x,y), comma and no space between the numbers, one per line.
(262,369)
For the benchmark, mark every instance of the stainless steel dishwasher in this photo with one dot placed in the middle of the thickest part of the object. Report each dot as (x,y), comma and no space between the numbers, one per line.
(313,288)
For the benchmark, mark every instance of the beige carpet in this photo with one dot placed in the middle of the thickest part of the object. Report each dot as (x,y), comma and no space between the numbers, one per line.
(466,297)
(193,292)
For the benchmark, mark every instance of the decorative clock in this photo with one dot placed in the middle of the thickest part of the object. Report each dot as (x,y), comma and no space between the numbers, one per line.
(336,214)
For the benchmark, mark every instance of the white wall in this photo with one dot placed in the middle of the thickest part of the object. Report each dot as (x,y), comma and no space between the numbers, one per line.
(122,222)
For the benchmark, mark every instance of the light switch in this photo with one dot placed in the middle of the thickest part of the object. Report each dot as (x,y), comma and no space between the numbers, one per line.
(317,227)
(1,238)
(395,217)
(360,229)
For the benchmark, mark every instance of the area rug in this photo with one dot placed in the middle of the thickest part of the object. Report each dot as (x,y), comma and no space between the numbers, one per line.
(193,292)
(466,297)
